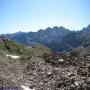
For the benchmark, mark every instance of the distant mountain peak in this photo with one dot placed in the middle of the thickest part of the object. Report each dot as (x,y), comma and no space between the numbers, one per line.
(55,27)
(86,29)
(88,26)
(61,27)
(48,28)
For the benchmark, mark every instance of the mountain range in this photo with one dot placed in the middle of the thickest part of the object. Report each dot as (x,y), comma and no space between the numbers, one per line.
(57,38)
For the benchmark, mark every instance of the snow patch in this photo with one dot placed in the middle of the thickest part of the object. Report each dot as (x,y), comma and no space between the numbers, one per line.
(26,88)
(61,60)
(76,83)
(12,56)
(30,47)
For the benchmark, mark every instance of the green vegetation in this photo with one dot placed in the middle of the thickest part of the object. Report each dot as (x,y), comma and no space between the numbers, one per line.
(80,52)
(39,50)
(10,47)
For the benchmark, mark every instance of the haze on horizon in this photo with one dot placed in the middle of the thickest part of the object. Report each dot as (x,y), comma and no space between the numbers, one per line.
(32,15)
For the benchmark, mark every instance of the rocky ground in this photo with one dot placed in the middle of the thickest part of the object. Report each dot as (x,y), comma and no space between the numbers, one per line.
(55,71)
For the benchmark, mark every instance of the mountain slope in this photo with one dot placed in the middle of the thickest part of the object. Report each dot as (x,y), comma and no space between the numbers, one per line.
(12,70)
(12,47)
(8,46)
(53,71)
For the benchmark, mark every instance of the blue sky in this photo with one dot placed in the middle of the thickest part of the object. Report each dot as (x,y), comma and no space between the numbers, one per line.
(32,15)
